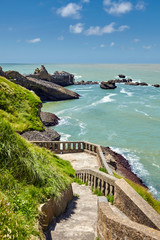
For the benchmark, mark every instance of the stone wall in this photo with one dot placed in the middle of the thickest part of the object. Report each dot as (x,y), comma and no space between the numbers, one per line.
(134,206)
(54,207)
(111,226)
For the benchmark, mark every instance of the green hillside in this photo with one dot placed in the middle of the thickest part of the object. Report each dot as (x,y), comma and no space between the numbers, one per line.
(28,174)
(19,106)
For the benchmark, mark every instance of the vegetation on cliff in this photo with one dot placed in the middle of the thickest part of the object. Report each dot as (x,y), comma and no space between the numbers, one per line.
(19,106)
(28,174)
(143,192)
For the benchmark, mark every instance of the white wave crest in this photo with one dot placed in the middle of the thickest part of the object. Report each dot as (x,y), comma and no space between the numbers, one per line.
(141,112)
(129,94)
(105,99)
(77,77)
(82,129)
(156,165)
(64,137)
(64,121)
(134,161)
(152,190)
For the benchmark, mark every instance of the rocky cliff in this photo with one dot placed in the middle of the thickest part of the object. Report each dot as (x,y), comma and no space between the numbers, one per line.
(46,90)
(61,78)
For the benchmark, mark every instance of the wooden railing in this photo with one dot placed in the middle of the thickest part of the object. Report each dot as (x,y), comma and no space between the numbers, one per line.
(97,180)
(60,147)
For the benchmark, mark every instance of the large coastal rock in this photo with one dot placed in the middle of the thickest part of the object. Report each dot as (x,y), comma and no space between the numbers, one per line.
(47,135)
(108,85)
(61,78)
(46,90)
(49,119)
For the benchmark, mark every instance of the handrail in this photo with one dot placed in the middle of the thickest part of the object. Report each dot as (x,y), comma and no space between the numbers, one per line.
(98,180)
(60,147)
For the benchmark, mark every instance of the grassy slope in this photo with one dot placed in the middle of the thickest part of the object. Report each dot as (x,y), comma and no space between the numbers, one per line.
(28,174)
(19,106)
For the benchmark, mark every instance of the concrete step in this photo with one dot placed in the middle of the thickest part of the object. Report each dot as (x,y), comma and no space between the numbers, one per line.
(79,222)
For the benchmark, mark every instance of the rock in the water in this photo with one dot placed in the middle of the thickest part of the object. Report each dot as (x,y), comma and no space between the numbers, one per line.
(121,76)
(49,119)
(143,84)
(108,85)
(47,135)
(46,90)
(132,83)
(61,78)
(156,85)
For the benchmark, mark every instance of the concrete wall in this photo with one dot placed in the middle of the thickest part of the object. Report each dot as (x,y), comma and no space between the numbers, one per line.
(134,206)
(54,207)
(111,226)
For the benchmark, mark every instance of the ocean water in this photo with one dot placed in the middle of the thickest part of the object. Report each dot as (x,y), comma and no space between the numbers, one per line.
(127,119)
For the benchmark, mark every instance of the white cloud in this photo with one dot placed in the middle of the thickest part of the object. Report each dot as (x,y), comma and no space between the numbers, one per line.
(117,8)
(35,40)
(94,31)
(70,10)
(112,44)
(86,1)
(140,6)
(105,30)
(61,38)
(109,28)
(147,47)
(102,45)
(78,28)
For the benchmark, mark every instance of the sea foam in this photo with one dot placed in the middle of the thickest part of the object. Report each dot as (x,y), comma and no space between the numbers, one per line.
(134,161)
(105,99)
(129,94)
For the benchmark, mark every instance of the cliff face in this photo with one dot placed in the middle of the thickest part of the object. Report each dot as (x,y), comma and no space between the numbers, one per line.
(61,78)
(46,90)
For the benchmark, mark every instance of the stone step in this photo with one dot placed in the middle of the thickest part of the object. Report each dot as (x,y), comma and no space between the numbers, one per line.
(79,222)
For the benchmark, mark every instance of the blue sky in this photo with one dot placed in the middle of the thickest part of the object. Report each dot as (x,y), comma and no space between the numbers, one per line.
(84,31)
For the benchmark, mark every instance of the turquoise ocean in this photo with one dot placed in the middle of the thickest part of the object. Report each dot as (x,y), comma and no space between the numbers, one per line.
(127,119)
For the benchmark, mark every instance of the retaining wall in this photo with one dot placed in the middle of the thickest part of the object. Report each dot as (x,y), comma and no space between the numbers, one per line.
(54,207)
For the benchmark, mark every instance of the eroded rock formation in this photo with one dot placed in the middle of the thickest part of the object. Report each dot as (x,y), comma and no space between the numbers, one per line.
(108,85)
(61,78)
(46,90)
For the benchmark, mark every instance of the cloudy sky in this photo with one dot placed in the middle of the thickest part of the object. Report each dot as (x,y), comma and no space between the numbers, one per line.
(84,31)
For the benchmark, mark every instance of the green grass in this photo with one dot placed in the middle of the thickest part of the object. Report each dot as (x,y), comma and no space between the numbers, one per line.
(19,106)
(143,192)
(102,170)
(29,176)
(110,198)
(77,180)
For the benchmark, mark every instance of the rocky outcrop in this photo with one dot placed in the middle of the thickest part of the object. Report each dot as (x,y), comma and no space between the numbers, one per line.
(121,76)
(85,83)
(108,85)
(136,83)
(49,91)
(47,135)
(121,165)
(61,78)
(132,83)
(143,84)
(49,119)
(156,85)
(46,90)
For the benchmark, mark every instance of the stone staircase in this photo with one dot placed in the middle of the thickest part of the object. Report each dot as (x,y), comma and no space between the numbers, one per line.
(79,222)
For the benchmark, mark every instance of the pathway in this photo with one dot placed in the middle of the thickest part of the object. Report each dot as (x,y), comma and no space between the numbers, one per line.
(79,222)
(81,160)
